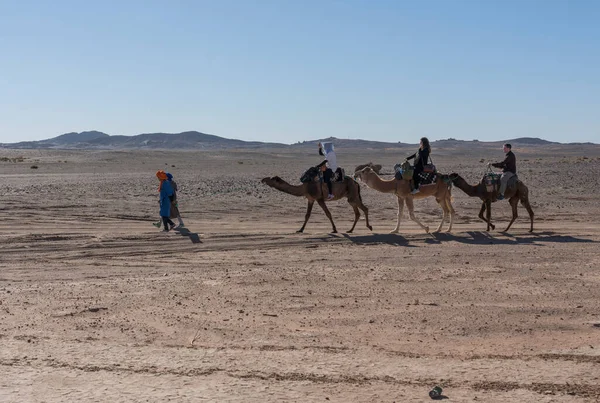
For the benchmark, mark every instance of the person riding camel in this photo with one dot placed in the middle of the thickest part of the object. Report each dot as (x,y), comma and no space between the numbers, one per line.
(421,158)
(509,168)
(329,166)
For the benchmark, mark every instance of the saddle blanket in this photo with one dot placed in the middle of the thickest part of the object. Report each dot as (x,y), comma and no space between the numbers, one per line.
(492,182)
(427,178)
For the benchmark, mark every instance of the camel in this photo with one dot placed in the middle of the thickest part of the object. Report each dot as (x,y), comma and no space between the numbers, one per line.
(401,188)
(316,191)
(374,167)
(514,194)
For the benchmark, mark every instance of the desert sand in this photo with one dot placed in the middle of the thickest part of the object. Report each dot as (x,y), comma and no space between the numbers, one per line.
(97,305)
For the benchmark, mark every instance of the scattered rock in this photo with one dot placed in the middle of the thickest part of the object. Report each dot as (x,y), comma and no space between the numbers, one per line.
(97,309)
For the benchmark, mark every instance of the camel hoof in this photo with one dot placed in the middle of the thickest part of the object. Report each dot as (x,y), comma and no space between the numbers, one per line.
(349,232)
(334,231)
(299,231)
(427,229)
(394,231)
(371,228)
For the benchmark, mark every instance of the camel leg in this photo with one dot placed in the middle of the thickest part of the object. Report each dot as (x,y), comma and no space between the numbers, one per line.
(365,210)
(307,216)
(488,206)
(400,212)
(514,201)
(442,203)
(328,214)
(356,217)
(452,212)
(525,203)
(484,208)
(411,213)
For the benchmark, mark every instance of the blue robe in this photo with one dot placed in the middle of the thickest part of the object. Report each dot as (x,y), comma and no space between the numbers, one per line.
(166,190)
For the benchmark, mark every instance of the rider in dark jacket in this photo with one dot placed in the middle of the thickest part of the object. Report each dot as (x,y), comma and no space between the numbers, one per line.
(509,168)
(421,158)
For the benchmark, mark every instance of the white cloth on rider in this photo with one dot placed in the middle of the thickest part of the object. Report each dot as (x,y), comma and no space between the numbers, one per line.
(329,155)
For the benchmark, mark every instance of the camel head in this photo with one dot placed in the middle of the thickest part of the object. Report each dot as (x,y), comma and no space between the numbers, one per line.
(363,173)
(453,176)
(456,179)
(270,181)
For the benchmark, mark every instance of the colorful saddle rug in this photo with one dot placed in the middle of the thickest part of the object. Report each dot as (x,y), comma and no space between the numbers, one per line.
(427,178)
(491,180)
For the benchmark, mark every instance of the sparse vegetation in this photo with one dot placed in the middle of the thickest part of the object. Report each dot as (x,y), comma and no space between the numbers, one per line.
(34,167)
(13,160)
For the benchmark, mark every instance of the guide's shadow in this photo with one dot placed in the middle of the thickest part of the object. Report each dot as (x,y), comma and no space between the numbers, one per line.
(183,231)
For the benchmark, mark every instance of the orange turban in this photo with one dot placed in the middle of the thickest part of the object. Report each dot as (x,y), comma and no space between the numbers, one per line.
(162,176)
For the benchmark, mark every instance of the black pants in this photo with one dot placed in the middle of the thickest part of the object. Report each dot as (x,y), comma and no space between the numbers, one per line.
(417,176)
(327,175)
(167,221)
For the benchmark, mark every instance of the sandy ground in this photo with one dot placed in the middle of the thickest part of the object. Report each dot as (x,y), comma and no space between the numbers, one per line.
(97,305)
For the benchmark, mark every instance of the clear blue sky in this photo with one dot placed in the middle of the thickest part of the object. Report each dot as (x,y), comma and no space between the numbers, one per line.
(286,71)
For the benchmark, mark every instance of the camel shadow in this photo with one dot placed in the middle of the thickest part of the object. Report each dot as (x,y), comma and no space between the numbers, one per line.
(487,238)
(194,237)
(382,239)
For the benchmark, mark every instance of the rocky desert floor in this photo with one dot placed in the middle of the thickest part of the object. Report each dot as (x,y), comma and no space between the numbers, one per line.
(97,305)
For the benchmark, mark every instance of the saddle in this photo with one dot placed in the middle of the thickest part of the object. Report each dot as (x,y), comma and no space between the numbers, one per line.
(491,180)
(313,173)
(339,175)
(404,171)
(310,175)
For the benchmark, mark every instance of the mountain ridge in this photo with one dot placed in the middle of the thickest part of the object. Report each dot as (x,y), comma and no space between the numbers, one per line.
(195,140)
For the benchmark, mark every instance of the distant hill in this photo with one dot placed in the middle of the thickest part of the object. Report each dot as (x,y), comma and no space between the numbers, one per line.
(75,138)
(193,140)
(349,143)
(530,141)
(98,140)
